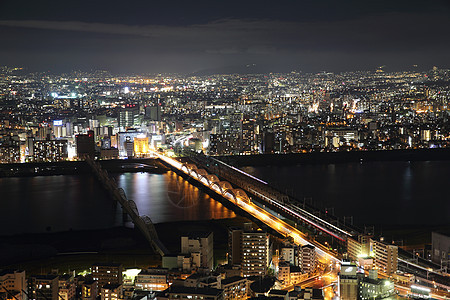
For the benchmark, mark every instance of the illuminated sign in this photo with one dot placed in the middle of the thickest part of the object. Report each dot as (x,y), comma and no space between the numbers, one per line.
(57,123)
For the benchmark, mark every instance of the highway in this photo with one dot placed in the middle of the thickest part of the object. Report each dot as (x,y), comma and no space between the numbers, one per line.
(242,201)
(270,220)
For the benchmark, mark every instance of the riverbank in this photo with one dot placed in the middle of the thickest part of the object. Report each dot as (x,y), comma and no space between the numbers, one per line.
(336,157)
(78,250)
(30,169)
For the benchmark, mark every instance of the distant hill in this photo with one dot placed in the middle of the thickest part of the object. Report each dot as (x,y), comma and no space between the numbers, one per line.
(237,69)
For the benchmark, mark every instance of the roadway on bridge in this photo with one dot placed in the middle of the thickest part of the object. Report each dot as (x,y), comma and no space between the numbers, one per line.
(275,223)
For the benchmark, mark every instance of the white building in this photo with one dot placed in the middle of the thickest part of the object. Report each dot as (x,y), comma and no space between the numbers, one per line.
(202,243)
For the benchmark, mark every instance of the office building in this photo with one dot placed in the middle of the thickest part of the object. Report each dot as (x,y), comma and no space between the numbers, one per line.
(85,145)
(153,113)
(248,136)
(128,116)
(140,146)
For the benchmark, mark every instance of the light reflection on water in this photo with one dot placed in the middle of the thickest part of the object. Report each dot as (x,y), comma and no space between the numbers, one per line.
(59,203)
(170,198)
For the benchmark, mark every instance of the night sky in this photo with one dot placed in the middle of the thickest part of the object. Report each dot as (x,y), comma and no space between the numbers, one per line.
(224,36)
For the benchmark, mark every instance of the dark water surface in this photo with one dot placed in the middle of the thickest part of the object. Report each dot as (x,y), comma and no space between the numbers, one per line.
(59,203)
(396,193)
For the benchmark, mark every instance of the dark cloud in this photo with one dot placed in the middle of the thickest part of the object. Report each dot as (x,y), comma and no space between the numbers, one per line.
(185,37)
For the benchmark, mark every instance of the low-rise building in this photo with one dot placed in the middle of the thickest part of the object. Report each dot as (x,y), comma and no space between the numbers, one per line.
(152,279)
(111,292)
(43,287)
(373,288)
(188,293)
(89,289)
(107,273)
(14,282)
(235,288)
(67,287)
(284,271)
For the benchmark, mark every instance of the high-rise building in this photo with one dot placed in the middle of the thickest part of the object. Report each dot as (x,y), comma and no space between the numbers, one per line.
(128,116)
(385,257)
(235,246)
(358,247)
(85,145)
(153,113)
(248,136)
(200,242)
(249,249)
(292,254)
(309,258)
(255,253)
(9,153)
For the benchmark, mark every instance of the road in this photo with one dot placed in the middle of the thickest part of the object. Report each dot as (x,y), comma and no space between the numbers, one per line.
(270,220)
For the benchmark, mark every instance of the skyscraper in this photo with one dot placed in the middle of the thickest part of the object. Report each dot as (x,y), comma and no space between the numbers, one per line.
(255,253)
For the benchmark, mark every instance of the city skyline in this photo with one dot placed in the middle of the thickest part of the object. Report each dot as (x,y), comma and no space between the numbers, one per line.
(224,150)
(145,37)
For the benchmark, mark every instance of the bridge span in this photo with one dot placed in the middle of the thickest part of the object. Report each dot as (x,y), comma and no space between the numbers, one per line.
(143,223)
(281,202)
(240,198)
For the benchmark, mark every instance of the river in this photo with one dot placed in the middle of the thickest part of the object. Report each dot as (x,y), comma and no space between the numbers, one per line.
(396,193)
